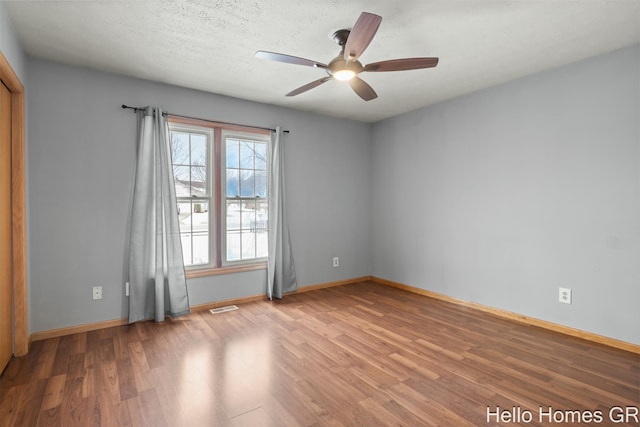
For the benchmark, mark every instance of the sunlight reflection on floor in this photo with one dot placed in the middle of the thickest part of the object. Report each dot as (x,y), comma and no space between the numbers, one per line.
(246,364)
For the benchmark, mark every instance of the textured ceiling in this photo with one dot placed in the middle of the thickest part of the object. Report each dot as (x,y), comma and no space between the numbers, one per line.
(210,45)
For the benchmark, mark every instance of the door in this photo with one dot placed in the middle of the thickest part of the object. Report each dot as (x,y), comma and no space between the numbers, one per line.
(6,262)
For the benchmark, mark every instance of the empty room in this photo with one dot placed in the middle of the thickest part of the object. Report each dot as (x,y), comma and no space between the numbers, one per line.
(340,213)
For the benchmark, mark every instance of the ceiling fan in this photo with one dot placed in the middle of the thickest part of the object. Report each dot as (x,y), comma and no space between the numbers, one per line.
(346,66)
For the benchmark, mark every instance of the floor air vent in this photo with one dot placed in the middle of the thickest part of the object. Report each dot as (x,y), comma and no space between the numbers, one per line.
(223,309)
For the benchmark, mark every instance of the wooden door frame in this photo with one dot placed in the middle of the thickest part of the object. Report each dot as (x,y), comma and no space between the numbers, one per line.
(18,209)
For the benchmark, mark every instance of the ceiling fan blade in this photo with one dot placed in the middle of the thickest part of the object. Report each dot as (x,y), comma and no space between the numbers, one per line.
(280,57)
(308,86)
(361,35)
(363,89)
(402,64)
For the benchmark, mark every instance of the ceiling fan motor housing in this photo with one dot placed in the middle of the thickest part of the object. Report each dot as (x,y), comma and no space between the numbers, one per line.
(341,36)
(339,64)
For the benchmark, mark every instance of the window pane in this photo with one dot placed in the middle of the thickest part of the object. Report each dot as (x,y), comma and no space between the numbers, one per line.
(261,156)
(194,231)
(248,215)
(261,183)
(247,155)
(200,213)
(182,182)
(180,148)
(248,245)
(201,248)
(189,155)
(198,149)
(233,183)
(184,216)
(198,181)
(200,230)
(186,248)
(261,229)
(233,153)
(259,220)
(247,229)
(247,183)
(262,211)
(233,246)
(262,244)
(233,215)
(181,173)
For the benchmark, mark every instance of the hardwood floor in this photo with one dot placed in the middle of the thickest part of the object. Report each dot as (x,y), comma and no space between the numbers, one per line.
(353,355)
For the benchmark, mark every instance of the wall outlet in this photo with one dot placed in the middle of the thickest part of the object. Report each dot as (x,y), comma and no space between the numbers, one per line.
(126,289)
(97,292)
(336,261)
(564,295)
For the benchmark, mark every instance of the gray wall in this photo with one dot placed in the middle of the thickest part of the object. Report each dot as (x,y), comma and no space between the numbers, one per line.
(502,196)
(81,166)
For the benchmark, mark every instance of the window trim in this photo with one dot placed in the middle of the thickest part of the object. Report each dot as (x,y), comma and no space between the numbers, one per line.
(226,269)
(217,265)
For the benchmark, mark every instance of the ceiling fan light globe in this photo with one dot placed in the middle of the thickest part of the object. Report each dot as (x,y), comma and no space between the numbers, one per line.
(344,75)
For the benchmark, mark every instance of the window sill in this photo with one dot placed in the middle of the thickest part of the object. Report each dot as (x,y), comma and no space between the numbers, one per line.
(205,272)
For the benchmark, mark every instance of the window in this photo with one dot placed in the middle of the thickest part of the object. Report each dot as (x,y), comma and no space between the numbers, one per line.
(221,187)
(190,149)
(246,219)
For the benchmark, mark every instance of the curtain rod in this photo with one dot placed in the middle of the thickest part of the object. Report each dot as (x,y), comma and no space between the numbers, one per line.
(135,109)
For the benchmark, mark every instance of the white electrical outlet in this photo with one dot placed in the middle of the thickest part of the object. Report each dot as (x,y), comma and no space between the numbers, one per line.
(564,295)
(97,292)
(126,289)
(336,261)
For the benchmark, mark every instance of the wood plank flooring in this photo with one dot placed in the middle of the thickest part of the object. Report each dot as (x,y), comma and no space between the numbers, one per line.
(354,355)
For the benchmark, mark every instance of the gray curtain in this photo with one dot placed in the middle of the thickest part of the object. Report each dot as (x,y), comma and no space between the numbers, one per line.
(157,281)
(281,272)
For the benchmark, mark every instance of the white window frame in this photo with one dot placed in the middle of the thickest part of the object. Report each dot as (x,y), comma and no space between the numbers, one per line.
(208,132)
(216,176)
(245,136)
